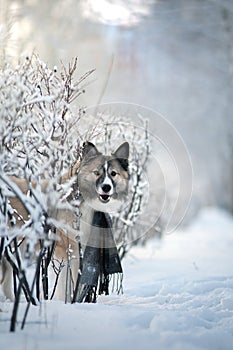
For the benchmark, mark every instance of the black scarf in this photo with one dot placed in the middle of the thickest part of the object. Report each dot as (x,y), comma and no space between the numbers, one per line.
(100,261)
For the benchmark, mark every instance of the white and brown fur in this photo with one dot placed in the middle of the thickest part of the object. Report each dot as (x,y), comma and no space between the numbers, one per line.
(102,181)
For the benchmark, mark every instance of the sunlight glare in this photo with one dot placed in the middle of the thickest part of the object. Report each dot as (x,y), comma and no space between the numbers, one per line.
(118,13)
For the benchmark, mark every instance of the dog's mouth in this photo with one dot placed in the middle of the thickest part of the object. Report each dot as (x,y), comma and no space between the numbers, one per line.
(104,198)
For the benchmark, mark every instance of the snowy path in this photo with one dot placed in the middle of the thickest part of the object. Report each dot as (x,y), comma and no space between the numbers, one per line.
(178,296)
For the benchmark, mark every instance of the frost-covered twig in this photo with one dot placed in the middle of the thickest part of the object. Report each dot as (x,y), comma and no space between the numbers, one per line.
(79,271)
(57,270)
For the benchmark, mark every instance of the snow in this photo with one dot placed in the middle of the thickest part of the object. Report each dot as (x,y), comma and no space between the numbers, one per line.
(178,294)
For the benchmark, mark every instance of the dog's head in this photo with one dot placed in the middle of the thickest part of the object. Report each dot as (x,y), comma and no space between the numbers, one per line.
(104,179)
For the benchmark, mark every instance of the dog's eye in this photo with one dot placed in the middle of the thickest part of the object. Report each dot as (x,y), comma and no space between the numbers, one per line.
(96,172)
(113,173)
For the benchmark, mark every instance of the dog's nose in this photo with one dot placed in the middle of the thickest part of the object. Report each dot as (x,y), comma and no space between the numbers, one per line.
(106,188)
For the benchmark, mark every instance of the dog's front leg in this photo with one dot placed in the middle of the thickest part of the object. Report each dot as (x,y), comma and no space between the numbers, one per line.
(6,280)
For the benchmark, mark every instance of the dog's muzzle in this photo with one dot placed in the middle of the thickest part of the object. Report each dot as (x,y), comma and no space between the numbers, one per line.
(105,193)
(104,198)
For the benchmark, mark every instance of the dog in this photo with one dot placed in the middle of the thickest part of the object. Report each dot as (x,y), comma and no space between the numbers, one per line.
(102,181)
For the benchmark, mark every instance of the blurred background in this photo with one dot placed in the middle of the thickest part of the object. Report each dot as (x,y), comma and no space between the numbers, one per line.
(173,56)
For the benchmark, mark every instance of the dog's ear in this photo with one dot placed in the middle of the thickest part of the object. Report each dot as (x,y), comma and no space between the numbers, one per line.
(122,152)
(89,150)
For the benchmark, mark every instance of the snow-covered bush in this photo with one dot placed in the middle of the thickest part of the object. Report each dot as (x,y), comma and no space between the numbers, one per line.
(107,131)
(40,139)
(35,144)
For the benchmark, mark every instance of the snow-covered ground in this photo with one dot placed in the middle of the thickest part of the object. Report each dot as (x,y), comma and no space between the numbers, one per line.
(177,295)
